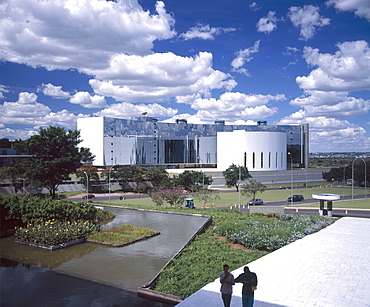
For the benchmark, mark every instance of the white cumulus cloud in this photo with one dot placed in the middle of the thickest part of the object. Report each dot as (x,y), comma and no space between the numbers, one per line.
(346,70)
(308,19)
(127,110)
(361,8)
(332,104)
(54,91)
(233,106)
(328,134)
(78,33)
(86,100)
(244,56)
(27,111)
(158,76)
(267,24)
(205,32)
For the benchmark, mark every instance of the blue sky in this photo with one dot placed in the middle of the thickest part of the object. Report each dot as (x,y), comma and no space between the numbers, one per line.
(286,62)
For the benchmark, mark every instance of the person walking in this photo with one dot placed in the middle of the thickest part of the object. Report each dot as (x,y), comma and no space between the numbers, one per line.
(249,281)
(227,282)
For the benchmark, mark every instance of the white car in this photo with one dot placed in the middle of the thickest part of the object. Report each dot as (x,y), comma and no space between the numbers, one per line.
(255,201)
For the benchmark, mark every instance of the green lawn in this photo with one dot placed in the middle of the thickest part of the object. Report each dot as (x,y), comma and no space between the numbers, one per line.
(232,198)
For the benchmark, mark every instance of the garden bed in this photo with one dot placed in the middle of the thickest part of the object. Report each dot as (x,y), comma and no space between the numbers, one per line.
(125,243)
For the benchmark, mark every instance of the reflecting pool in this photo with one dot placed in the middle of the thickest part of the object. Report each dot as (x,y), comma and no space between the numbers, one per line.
(128,267)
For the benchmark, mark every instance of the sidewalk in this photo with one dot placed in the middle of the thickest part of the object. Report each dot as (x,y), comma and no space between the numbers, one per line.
(328,268)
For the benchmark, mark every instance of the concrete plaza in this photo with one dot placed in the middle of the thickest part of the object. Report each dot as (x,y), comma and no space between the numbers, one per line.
(327,268)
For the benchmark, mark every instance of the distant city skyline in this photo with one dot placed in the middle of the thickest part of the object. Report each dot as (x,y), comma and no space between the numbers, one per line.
(284,62)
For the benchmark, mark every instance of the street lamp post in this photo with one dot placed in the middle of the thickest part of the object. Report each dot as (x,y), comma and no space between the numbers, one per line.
(344,178)
(202,180)
(87,187)
(291,176)
(353,174)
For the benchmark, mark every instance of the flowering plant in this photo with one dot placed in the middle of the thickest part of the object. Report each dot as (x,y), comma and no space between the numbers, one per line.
(174,196)
(54,232)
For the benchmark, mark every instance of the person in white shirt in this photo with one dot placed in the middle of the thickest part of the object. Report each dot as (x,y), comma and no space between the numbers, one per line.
(227,282)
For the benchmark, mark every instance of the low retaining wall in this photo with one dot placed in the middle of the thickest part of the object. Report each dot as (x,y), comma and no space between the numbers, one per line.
(51,247)
(266,209)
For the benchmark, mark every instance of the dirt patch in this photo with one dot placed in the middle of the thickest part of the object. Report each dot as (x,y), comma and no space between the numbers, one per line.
(233,245)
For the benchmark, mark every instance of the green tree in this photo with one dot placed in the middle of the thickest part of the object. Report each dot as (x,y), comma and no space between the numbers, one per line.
(15,174)
(234,174)
(126,174)
(252,188)
(206,195)
(158,177)
(193,180)
(55,157)
(5,143)
(339,173)
(92,174)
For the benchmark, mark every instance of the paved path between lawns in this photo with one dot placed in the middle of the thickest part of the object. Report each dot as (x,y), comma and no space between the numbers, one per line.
(327,268)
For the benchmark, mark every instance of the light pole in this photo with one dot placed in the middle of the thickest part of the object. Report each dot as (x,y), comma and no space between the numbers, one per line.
(87,187)
(291,175)
(306,176)
(109,179)
(353,174)
(344,178)
(203,181)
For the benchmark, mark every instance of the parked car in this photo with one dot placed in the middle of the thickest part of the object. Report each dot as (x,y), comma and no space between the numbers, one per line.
(255,201)
(296,198)
(88,196)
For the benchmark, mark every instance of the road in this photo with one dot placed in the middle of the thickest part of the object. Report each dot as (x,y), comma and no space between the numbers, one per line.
(288,210)
(286,177)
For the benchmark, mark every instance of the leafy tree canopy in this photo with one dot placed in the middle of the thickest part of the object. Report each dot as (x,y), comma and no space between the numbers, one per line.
(234,174)
(345,172)
(56,156)
(193,180)
(252,188)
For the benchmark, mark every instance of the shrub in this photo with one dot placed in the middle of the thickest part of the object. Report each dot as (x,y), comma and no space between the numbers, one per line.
(174,196)
(30,209)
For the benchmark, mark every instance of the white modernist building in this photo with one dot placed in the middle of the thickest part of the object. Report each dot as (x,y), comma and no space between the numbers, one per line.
(258,151)
(145,141)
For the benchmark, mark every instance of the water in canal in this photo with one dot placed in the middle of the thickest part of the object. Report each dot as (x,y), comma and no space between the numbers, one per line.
(127,267)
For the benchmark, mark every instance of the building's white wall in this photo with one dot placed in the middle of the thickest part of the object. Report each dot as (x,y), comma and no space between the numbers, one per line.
(258,151)
(91,131)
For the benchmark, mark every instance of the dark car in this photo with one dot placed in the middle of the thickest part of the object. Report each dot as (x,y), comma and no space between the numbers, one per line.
(89,196)
(255,201)
(295,198)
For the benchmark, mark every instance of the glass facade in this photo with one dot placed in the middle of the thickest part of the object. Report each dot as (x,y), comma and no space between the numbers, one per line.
(145,141)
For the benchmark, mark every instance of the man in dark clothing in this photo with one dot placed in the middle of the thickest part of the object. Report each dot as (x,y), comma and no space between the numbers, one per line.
(249,280)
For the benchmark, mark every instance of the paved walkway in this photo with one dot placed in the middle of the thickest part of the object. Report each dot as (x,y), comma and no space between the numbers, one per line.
(328,268)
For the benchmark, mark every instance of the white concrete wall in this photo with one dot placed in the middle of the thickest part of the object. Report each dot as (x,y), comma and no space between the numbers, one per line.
(91,131)
(264,151)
